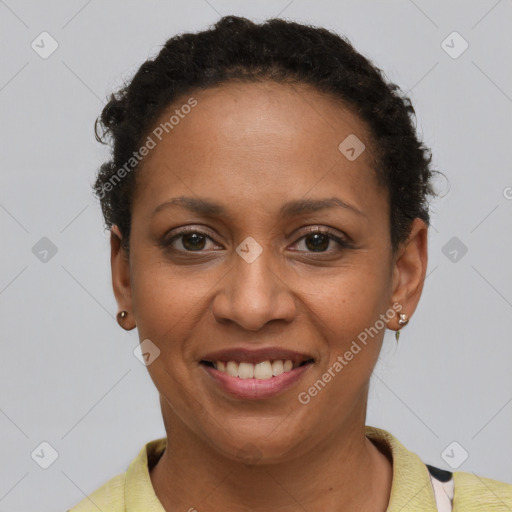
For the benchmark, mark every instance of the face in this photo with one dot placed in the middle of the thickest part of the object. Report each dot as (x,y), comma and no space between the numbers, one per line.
(255,240)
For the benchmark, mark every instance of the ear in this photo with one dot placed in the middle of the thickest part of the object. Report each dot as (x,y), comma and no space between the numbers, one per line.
(409,270)
(120,265)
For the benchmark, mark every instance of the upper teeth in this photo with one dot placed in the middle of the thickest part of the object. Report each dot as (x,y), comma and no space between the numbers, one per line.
(263,370)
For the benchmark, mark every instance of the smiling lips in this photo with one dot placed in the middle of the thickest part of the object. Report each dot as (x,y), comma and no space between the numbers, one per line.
(256,374)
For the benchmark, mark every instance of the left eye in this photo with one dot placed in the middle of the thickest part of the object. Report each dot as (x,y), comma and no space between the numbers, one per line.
(318,242)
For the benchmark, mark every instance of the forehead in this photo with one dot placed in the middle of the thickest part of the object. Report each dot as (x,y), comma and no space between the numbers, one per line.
(264,113)
(253,139)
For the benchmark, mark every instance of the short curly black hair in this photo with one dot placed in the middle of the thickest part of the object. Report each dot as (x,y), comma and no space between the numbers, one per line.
(237,49)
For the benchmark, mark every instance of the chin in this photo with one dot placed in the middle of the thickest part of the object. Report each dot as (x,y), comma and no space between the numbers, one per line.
(258,442)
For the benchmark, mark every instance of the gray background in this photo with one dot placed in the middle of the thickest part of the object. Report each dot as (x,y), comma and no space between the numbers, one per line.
(68,373)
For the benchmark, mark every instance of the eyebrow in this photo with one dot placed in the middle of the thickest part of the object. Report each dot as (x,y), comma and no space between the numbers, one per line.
(290,209)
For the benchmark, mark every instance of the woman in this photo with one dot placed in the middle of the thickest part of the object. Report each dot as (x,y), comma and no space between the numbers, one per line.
(268,204)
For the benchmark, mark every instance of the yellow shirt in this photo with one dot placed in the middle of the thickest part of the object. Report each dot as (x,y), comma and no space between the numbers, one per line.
(411,489)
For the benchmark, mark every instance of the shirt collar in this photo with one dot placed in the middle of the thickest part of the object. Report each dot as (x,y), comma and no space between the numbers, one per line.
(139,495)
(411,487)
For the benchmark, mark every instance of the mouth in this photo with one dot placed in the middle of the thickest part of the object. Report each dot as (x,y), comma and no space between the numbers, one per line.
(256,374)
(262,370)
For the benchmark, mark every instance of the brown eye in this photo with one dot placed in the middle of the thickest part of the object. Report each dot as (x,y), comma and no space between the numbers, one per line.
(321,240)
(317,242)
(193,241)
(190,241)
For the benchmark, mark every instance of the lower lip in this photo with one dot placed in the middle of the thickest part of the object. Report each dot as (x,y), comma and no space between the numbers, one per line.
(257,389)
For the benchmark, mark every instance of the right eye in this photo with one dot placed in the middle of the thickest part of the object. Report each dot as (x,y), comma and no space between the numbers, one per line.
(191,241)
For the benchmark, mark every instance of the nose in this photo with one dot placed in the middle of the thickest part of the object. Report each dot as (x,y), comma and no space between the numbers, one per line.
(253,295)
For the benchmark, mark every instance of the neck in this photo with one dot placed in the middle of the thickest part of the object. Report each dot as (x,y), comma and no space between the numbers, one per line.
(342,473)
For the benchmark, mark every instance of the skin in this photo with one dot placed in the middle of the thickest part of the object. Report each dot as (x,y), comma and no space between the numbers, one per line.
(251,148)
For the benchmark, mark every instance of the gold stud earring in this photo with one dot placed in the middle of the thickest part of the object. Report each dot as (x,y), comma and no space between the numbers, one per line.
(403,320)
(121,316)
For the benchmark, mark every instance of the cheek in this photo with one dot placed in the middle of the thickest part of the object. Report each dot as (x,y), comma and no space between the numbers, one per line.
(168,306)
(348,301)
(346,310)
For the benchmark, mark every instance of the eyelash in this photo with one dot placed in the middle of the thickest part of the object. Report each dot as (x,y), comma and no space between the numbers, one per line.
(343,243)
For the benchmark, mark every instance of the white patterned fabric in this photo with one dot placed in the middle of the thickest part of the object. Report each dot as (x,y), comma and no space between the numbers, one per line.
(443,493)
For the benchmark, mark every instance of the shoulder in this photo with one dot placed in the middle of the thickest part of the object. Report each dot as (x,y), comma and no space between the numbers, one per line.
(110,496)
(132,489)
(476,493)
(412,485)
